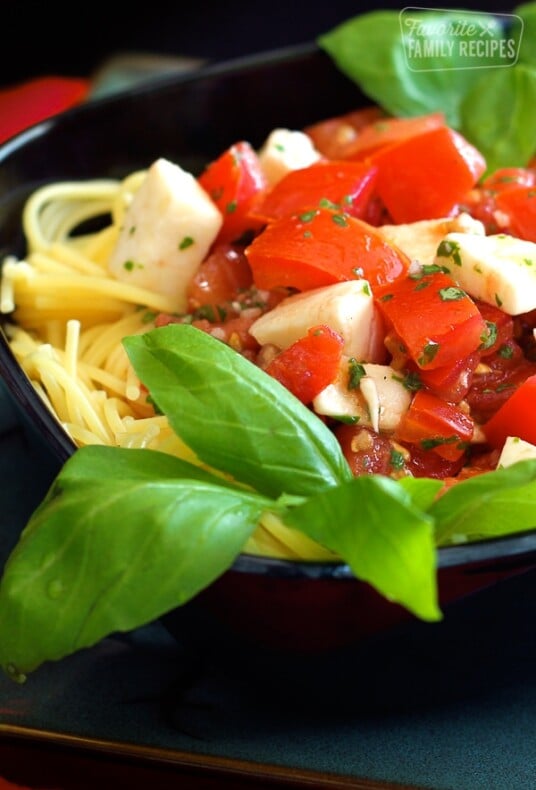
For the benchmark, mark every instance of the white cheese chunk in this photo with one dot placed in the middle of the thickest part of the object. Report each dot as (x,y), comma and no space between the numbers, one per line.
(285,150)
(515,450)
(167,231)
(347,308)
(420,240)
(498,269)
(379,402)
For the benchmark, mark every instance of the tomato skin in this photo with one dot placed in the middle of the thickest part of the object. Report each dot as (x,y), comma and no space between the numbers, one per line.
(508,177)
(319,248)
(515,417)
(233,181)
(311,363)
(519,205)
(436,330)
(505,370)
(434,424)
(428,175)
(384,132)
(221,276)
(347,184)
(333,136)
(451,382)
(366,451)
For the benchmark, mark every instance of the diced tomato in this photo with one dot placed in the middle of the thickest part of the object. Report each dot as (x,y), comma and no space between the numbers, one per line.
(321,247)
(436,425)
(516,417)
(366,451)
(496,380)
(426,176)
(384,132)
(436,321)
(425,463)
(508,177)
(310,364)
(346,185)
(37,99)
(519,205)
(221,276)
(333,136)
(233,181)
(451,382)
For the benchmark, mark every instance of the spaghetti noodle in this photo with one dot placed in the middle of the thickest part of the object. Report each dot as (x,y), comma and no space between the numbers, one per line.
(69,317)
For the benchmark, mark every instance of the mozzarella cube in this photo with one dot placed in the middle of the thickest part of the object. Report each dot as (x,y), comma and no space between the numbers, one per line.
(379,401)
(285,150)
(167,232)
(498,269)
(420,240)
(515,450)
(347,308)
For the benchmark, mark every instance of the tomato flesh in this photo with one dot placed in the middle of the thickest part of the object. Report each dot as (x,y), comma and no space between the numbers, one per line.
(427,175)
(436,425)
(310,364)
(233,181)
(515,417)
(435,320)
(321,247)
(347,185)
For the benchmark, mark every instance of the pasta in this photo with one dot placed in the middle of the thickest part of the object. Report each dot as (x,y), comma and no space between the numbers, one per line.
(69,318)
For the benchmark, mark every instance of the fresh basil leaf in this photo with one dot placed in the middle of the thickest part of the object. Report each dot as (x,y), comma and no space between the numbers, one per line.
(422,490)
(105,555)
(234,416)
(527,50)
(372,524)
(371,49)
(488,505)
(498,116)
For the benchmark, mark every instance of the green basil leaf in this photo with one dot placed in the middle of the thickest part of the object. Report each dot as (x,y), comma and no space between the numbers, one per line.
(105,555)
(498,116)
(371,49)
(234,416)
(527,50)
(372,524)
(488,505)
(422,490)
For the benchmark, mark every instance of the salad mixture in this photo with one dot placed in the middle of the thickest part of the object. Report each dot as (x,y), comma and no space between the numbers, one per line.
(351,350)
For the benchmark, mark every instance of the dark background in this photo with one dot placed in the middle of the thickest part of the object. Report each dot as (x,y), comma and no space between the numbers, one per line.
(44,38)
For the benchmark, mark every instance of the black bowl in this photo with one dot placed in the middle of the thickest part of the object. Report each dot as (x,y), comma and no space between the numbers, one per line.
(191,119)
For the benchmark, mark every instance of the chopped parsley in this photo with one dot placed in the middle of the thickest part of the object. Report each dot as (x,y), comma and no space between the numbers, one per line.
(429,352)
(396,459)
(356,371)
(129,266)
(489,338)
(451,294)
(450,249)
(340,219)
(186,242)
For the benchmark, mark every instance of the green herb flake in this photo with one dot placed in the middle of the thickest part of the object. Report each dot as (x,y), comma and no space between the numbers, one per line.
(386,297)
(217,194)
(429,352)
(366,289)
(129,266)
(437,441)
(307,234)
(506,351)
(231,207)
(411,381)
(498,300)
(396,459)
(422,285)
(186,242)
(340,219)
(488,338)
(451,294)
(450,249)
(307,216)
(279,147)
(326,203)
(149,316)
(356,371)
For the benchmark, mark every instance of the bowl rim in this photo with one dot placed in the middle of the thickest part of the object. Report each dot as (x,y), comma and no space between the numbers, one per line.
(39,420)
